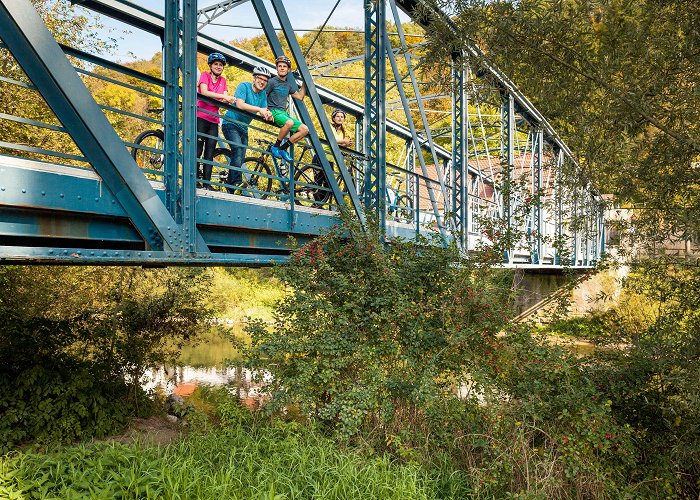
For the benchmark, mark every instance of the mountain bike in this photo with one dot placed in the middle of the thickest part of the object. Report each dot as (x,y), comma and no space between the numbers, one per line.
(399,204)
(150,155)
(312,187)
(262,175)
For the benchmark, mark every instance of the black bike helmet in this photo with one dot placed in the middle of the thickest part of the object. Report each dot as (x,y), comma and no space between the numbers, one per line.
(337,111)
(216,56)
(285,60)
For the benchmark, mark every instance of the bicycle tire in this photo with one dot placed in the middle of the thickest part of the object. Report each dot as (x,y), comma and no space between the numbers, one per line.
(306,178)
(403,209)
(146,159)
(253,184)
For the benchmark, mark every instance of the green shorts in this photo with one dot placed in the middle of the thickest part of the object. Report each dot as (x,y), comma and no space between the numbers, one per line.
(281,117)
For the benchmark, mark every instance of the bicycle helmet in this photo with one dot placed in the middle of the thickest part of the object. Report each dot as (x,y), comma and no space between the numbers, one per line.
(337,111)
(216,56)
(262,71)
(285,60)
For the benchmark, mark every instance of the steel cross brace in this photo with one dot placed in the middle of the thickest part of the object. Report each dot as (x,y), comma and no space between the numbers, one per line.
(213,11)
(315,100)
(326,67)
(417,94)
(46,65)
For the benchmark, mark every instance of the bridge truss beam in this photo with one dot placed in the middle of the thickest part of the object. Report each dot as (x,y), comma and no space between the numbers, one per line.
(499,141)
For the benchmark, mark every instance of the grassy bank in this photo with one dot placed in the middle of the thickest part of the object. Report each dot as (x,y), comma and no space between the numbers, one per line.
(244,458)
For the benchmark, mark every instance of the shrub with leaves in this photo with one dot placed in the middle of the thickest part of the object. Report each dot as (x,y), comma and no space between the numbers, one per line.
(75,342)
(368,333)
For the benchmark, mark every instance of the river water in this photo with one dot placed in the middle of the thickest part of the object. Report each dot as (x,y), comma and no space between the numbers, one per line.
(210,361)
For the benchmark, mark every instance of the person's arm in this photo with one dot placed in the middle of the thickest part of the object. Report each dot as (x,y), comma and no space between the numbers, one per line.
(264,112)
(215,95)
(301,93)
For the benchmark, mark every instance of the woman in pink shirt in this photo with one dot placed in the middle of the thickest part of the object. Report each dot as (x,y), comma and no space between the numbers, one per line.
(211,84)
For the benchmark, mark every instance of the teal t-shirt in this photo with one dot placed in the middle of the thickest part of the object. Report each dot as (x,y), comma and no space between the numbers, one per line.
(245,91)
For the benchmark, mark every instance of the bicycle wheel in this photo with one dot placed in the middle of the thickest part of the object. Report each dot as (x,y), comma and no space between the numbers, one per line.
(306,192)
(253,184)
(220,172)
(151,160)
(403,211)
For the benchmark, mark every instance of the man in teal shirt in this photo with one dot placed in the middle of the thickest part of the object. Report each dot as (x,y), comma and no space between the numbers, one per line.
(250,97)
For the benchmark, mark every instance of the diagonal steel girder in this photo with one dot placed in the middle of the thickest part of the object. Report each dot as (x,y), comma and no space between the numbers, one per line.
(313,95)
(46,65)
(326,67)
(416,142)
(417,94)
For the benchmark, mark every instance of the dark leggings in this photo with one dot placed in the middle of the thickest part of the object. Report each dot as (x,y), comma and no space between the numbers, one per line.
(207,145)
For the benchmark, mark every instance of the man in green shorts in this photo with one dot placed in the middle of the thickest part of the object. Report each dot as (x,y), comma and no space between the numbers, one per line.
(279,88)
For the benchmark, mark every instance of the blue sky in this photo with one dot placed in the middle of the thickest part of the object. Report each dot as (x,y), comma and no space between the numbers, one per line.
(302,13)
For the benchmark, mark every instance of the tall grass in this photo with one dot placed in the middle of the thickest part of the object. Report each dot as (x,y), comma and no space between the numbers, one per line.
(272,461)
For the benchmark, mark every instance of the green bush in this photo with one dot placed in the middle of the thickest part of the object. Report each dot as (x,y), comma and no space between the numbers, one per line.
(649,370)
(60,403)
(368,334)
(75,342)
(251,457)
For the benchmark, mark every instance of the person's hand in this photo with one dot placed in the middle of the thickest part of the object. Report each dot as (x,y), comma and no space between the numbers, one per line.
(266,114)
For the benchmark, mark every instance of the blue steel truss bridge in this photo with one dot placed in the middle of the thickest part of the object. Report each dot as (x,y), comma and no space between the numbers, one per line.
(98,158)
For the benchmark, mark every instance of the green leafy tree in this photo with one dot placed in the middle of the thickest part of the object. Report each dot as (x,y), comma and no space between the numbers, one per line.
(71,26)
(617,79)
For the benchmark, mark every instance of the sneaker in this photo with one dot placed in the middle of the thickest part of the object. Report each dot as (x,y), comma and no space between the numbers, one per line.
(285,155)
(276,152)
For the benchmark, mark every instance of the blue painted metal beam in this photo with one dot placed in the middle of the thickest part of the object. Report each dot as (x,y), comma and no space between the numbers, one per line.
(374,124)
(171,92)
(19,223)
(85,257)
(188,196)
(460,196)
(46,65)
(77,192)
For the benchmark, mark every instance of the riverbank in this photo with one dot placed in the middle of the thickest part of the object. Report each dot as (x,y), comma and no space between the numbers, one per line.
(230,454)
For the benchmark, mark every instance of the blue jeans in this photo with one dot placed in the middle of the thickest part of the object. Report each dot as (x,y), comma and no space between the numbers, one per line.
(240,143)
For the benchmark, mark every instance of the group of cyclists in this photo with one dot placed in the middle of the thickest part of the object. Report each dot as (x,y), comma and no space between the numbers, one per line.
(267,96)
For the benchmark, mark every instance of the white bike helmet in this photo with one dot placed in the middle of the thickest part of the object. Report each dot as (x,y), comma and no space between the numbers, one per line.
(262,71)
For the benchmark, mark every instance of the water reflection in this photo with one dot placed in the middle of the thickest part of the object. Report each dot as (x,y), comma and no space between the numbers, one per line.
(183,380)
(205,362)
